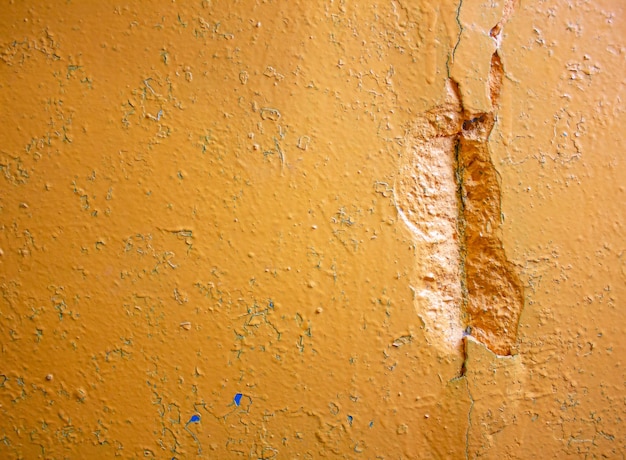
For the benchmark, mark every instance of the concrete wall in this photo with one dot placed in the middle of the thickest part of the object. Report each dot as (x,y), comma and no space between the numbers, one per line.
(341,229)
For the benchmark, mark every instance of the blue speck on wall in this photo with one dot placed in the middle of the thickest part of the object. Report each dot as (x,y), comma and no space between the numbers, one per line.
(237,398)
(194,419)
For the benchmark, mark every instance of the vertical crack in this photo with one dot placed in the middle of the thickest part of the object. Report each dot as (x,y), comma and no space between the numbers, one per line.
(458,21)
(458,38)
(460,227)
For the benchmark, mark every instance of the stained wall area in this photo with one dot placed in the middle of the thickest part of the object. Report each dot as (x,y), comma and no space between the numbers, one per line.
(334,229)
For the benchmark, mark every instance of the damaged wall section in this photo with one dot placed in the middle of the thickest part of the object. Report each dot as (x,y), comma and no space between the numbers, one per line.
(426,198)
(448,194)
(493,297)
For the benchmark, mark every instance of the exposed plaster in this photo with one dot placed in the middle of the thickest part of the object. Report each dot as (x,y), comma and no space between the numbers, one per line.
(469,287)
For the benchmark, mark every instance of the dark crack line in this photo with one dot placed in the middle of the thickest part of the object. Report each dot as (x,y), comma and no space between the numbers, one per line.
(460,228)
(458,21)
(458,37)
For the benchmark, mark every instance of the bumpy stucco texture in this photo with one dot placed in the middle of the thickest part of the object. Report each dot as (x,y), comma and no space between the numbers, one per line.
(271,229)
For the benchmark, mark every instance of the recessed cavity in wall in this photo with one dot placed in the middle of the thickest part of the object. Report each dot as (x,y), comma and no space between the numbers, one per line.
(447,193)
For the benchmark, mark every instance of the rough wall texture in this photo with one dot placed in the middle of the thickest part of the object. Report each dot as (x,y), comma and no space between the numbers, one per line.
(270,229)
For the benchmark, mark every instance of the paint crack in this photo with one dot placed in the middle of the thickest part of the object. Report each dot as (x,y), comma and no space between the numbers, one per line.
(458,38)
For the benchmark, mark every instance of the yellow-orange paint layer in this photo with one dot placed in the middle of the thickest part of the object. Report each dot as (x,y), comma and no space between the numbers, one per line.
(270,229)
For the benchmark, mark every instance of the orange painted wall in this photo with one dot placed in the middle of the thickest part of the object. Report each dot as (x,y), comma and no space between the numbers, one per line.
(334,229)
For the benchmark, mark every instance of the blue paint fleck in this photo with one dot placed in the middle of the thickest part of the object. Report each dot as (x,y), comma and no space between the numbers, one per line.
(350,418)
(237,399)
(194,419)
(371,423)
(271,304)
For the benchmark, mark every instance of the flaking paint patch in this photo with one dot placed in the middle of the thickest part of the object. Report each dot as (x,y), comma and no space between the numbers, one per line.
(448,194)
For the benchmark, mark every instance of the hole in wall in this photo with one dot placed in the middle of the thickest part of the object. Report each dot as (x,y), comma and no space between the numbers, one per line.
(447,192)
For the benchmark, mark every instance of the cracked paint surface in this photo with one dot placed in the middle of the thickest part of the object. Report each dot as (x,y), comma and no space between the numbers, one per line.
(448,194)
(311,230)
